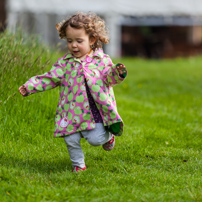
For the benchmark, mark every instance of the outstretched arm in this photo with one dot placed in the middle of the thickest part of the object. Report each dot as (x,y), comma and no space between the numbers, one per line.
(47,81)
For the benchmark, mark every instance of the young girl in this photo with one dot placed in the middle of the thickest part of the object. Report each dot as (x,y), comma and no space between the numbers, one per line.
(85,76)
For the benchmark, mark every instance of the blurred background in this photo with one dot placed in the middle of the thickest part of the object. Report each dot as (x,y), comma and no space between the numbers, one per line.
(148,29)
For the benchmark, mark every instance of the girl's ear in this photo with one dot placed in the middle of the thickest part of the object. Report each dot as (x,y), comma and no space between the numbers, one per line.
(92,40)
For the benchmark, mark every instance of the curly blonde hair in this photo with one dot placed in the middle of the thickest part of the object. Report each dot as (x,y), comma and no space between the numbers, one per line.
(93,25)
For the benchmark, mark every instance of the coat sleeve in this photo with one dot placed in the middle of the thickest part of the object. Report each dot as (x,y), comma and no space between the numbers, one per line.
(111,75)
(47,81)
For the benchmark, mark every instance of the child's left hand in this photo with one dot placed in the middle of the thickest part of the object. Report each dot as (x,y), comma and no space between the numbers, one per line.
(121,68)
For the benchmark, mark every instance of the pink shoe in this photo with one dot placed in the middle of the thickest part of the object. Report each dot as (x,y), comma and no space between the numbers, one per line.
(108,146)
(78,169)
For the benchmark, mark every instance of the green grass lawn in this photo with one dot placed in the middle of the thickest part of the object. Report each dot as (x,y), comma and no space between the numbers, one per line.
(158,158)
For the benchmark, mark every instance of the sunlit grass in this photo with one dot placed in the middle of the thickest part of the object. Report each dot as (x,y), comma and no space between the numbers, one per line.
(158,158)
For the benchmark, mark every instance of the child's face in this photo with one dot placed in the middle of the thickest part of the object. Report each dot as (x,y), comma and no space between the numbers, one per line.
(78,41)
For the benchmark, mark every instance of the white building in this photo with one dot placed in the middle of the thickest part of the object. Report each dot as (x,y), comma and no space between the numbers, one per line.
(41,16)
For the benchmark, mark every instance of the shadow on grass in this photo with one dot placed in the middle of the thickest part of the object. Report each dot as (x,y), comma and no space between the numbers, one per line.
(37,165)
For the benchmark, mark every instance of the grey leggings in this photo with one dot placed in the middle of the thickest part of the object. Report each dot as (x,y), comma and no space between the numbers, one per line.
(95,137)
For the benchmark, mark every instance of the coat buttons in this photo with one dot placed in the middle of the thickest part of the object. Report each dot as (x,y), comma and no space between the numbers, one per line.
(88,59)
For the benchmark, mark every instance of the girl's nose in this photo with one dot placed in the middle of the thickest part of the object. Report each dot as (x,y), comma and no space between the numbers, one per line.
(73,44)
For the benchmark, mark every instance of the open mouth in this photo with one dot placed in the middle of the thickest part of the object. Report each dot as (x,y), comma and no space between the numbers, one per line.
(75,52)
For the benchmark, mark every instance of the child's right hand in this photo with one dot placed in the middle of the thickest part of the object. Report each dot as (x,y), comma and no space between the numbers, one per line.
(22,90)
